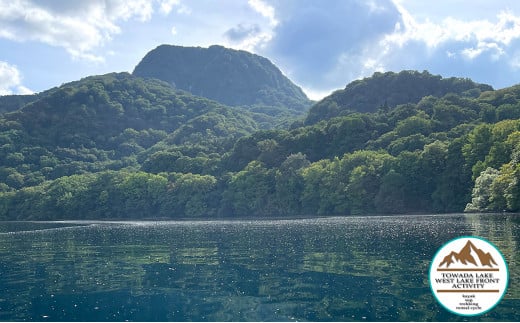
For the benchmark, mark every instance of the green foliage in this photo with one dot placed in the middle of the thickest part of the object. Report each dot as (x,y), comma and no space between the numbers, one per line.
(452,190)
(140,194)
(250,191)
(111,122)
(499,190)
(344,186)
(479,142)
(114,195)
(391,197)
(290,183)
(191,195)
(388,90)
(481,196)
(413,125)
(118,147)
(232,77)
(10,103)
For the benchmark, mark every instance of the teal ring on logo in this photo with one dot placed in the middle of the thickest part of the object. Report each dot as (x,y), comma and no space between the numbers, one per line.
(498,300)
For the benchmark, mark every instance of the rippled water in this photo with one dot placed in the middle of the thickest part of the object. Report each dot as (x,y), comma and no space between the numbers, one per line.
(319,269)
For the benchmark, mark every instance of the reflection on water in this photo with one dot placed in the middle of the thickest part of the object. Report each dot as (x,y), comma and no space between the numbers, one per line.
(17,227)
(323,269)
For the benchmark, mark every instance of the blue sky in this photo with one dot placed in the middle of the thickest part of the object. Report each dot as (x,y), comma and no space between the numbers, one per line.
(320,45)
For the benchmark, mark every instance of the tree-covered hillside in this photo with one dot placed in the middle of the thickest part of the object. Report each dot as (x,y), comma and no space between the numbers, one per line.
(232,77)
(387,90)
(119,146)
(109,122)
(10,103)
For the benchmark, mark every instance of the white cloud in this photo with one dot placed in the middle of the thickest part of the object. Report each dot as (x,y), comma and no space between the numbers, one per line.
(324,45)
(482,47)
(184,10)
(166,6)
(314,94)
(375,6)
(319,44)
(254,42)
(321,51)
(265,10)
(80,27)
(450,54)
(480,36)
(257,32)
(461,46)
(11,80)
(247,37)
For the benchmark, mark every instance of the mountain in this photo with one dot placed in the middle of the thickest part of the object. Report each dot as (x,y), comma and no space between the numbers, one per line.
(467,256)
(389,90)
(105,122)
(231,77)
(99,107)
(123,146)
(9,103)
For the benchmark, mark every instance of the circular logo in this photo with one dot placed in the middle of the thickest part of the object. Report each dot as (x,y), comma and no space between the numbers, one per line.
(468,276)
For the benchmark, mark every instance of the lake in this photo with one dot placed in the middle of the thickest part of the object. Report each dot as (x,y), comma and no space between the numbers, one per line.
(318,269)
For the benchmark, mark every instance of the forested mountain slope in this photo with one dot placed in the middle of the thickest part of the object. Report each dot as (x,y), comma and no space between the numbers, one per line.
(106,122)
(10,103)
(443,154)
(387,90)
(119,146)
(232,77)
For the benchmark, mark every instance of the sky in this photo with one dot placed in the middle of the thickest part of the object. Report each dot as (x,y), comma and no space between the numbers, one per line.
(320,45)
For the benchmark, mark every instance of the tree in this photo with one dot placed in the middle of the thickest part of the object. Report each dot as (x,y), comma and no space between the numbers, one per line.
(314,177)
(481,195)
(505,137)
(161,161)
(452,191)
(449,116)
(250,192)
(271,153)
(433,162)
(478,144)
(391,196)
(191,195)
(408,143)
(499,187)
(508,111)
(67,195)
(139,194)
(364,180)
(414,125)
(512,192)
(417,194)
(488,113)
(290,183)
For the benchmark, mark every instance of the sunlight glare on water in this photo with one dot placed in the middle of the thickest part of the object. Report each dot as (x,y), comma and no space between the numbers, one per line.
(318,269)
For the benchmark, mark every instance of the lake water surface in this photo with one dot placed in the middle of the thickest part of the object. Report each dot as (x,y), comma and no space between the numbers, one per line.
(318,269)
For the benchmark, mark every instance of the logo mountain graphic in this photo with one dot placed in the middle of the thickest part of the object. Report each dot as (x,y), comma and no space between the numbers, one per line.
(467,256)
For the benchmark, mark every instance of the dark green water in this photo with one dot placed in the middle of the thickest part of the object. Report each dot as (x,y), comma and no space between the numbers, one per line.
(320,269)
